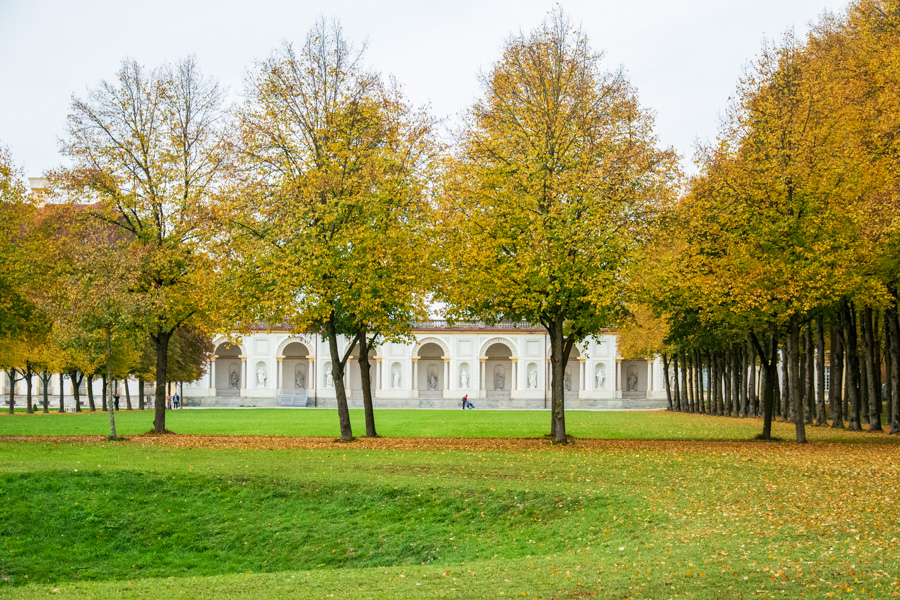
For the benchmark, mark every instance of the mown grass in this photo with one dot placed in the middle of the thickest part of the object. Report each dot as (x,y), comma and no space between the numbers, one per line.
(647,520)
(418,423)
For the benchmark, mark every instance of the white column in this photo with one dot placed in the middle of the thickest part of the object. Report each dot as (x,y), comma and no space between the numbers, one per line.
(483,360)
(279,374)
(515,374)
(618,375)
(243,372)
(347,373)
(581,373)
(446,373)
(212,372)
(378,373)
(415,373)
(649,375)
(311,373)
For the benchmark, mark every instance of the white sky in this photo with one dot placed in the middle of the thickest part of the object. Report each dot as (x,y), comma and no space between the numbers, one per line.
(683,56)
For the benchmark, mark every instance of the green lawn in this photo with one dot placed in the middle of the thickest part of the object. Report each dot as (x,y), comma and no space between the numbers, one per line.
(415,423)
(739,521)
(641,519)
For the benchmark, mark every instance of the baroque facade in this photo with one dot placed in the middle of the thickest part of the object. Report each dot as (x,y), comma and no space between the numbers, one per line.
(503,366)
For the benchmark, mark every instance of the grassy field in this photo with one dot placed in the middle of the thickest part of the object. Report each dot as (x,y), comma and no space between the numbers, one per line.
(659,425)
(632,519)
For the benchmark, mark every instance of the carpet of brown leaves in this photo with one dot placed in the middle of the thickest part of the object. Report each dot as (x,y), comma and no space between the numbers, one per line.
(747,449)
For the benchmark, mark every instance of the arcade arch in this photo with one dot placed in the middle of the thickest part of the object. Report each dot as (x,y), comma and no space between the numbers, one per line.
(229,369)
(433,365)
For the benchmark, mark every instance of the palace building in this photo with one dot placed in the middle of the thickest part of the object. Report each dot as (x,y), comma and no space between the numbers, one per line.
(501,366)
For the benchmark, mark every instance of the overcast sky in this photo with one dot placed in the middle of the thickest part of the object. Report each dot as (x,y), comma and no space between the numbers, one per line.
(683,56)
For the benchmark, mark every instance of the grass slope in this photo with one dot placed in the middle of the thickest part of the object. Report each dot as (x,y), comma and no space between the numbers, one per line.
(655,520)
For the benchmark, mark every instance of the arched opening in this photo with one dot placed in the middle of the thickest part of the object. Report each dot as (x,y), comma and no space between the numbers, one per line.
(229,378)
(431,377)
(498,371)
(295,374)
(356,375)
(572,376)
(634,378)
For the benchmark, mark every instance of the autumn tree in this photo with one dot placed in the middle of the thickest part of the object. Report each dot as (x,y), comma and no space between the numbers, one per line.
(148,148)
(554,180)
(328,203)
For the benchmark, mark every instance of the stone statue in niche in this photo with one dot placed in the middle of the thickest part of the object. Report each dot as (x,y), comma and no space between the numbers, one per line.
(329,378)
(499,378)
(532,379)
(632,381)
(432,378)
(234,380)
(300,380)
(395,377)
(261,376)
(567,381)
(464,379)
(600,377)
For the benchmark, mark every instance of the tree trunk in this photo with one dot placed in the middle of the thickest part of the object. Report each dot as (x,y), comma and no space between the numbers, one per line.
(820,371)
(337,375)
(753,396)
(872,376)
(744,378)
(685,386)
(62,393)
(677,386)
(46,378)
(726,376)
(559,355)
(29,400)
(892,321)
(127,394)
(107,386)
(888,373)
(768,380)
(692,383)
(703,382)
(836,384)
(90,393)
(714,383)
(809,381)
(736,388)
(104,386)
(776,383)
(796,392)
(76,378)
(785,383)
(161,343)
(140,393)
(668,382)
(12,390)
(879,390)
(365,377)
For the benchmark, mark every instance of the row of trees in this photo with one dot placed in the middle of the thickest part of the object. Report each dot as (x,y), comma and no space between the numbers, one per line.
(786,244)
(327,201)
(68,306)
(324,199)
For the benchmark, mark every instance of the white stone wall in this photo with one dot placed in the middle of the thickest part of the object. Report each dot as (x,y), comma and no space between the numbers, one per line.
(464,362)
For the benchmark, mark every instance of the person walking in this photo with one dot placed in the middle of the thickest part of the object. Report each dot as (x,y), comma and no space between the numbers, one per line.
(176,400)
(465,401)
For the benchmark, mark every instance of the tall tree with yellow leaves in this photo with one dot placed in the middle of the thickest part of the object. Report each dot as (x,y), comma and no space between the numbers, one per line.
(149,149)
(554,181)
(328,203)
